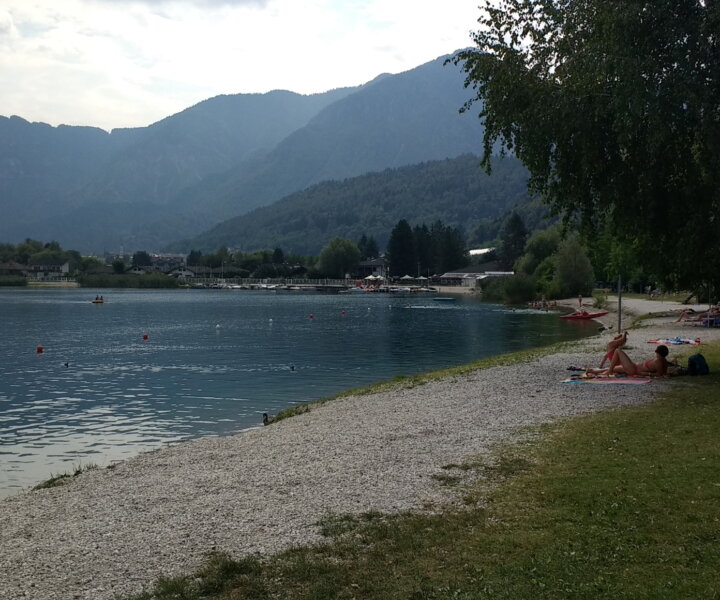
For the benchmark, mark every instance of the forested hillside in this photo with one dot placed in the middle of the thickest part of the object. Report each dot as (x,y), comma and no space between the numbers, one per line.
(454,191)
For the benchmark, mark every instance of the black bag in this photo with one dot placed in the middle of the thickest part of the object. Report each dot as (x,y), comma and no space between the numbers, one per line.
(697,365)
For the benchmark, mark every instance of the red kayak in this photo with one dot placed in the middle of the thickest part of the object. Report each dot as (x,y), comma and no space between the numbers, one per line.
(583,314)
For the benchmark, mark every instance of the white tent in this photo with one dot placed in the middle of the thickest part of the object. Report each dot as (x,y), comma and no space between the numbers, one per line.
(406,277)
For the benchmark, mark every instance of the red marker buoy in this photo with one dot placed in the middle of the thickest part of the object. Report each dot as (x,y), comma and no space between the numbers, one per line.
(145,336)
(39,349)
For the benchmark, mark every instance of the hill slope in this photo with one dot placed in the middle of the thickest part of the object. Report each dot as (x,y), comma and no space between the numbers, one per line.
(455,191)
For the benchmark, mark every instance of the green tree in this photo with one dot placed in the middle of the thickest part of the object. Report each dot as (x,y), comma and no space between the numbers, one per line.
(423,249)
(612,106)
(194,258)
(26,249)
(451,252)
(540,245)
(87,262)
(339,257)
(141,259)
(401,248)
(118,266)
(278,256)
(368,247)
(573,271)
(513,236)
(7,252)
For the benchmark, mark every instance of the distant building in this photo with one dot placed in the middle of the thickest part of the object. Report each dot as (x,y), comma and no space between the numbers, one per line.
(471,275)
(13,268)
(373,266)
(168,262)
(182,273)
(49,269)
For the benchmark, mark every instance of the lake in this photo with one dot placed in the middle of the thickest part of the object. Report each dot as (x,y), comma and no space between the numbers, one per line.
(147,368)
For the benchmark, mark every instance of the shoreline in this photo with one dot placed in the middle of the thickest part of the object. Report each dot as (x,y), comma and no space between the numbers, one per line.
(114,531)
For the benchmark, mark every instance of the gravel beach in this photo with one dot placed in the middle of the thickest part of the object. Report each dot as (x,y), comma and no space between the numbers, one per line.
(114,531)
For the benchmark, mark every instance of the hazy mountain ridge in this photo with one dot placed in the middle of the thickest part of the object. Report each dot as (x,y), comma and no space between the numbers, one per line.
(394,121)
(144,188)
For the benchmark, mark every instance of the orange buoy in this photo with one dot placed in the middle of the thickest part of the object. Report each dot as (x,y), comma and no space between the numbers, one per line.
(40,349)
(145,336)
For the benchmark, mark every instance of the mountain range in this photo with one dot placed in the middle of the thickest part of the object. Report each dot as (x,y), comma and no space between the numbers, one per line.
(176,182)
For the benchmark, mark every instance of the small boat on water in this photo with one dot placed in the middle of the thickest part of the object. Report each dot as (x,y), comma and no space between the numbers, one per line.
(583,314)
(444,299)
(99,300)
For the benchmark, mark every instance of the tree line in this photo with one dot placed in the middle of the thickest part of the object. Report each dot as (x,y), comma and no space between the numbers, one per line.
(410,251)
(612,107)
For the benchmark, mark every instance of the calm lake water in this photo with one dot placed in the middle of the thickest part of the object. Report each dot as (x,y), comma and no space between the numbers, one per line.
(213,362)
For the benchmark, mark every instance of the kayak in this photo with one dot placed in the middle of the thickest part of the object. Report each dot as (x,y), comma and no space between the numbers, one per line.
(585,315)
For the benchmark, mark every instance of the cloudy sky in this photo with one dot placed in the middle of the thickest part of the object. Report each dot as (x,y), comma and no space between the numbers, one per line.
(123,63)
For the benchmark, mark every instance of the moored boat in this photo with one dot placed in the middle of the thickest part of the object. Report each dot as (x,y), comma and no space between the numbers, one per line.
(583,314)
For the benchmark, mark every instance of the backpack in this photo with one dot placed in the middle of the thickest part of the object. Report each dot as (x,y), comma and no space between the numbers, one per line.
(697,365)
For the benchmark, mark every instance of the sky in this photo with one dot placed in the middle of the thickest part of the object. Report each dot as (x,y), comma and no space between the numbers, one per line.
(130,63)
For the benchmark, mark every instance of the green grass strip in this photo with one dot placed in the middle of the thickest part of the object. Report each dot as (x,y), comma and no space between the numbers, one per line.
(624,504)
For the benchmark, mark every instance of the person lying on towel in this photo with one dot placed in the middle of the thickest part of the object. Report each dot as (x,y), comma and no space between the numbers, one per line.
(620,364)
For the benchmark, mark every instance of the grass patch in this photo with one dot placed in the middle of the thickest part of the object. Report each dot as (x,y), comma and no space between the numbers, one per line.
(624,504)
(63,478)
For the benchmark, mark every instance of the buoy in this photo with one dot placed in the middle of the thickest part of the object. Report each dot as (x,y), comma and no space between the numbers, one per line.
(146,336)
(343,312)
(217,326)
(311,316)
(39,349)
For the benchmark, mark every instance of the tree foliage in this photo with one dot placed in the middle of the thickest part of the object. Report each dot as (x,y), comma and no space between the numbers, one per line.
(513,236)
(573,271)
(401,250)
(141,259)
(368,247)
(339,258)
(614,109)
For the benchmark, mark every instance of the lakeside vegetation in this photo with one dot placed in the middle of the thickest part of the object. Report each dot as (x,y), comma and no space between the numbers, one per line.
(620,504)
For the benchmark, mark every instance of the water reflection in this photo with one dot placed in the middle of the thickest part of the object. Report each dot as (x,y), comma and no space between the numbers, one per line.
(154,367)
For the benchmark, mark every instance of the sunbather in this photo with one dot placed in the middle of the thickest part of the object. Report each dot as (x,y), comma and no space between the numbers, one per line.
(622,365)
(617,342)
(689,314)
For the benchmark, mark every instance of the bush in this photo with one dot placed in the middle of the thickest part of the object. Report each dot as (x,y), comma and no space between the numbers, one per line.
(13,280)
(518,289)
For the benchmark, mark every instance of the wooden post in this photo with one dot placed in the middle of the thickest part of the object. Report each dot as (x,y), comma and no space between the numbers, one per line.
(619,288)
